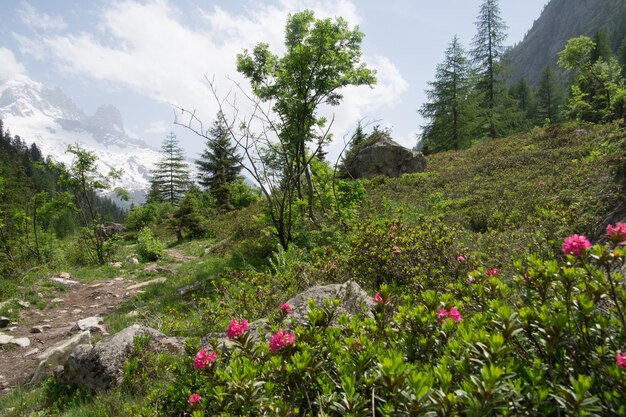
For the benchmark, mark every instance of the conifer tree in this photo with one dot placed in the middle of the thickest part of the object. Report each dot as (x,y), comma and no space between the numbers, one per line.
(447,109)
(170,177)
(219,165)
(487,56)
(550,96)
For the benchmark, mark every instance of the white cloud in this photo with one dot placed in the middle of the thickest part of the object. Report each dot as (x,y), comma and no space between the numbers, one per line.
(9,67)
(31,17)
(159,127)
(155,49)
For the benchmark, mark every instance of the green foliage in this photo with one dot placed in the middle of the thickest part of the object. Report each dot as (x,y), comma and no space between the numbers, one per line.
(149,248)
(550,97)
(598,80)
(416,257)
(537,345)
(139,217)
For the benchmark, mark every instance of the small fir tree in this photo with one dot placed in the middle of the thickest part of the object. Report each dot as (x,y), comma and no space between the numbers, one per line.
(170,177)
(550,96)
(219,165)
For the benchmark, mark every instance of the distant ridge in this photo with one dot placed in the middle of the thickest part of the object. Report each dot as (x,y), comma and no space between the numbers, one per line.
(560,21)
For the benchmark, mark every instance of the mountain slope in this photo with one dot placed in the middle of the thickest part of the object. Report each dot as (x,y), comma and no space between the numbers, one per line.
(46,116)
(560,21)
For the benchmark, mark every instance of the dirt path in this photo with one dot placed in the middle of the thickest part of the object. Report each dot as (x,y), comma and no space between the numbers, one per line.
(77,302)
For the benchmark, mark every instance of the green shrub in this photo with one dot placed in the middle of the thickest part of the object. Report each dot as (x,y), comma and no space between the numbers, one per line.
(149,248)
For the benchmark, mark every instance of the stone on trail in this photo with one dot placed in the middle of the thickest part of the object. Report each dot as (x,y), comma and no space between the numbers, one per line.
(147,283)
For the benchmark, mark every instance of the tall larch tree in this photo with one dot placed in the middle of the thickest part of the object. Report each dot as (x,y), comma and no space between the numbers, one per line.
(170,177)
(487,56)
(447,111)
(219,165)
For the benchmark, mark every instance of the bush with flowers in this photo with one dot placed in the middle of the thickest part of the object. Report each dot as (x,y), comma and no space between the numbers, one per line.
(549,339)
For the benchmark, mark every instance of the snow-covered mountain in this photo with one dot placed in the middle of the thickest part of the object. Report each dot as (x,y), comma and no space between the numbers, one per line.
(46,116)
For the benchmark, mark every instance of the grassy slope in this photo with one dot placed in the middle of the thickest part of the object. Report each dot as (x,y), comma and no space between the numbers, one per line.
(517,194)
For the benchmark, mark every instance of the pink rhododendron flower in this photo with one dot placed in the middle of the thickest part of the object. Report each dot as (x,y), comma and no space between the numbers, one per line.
(392,235)
(204,359)
(194,399)
(396,250)
(379,300)
(617,233)
(281,339)
(470,279)
(575,245)
(285,308)
(222,303)
(460,258)
(620,358)
(492,272)
(393,227)
(442,313)
(455,315)
(236,328)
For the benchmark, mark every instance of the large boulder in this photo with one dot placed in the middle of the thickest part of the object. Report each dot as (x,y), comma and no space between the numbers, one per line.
(353,300)
(383,157)
(107,229)
(100,367)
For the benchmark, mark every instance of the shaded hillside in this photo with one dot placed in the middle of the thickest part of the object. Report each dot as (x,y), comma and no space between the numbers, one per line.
(560,21)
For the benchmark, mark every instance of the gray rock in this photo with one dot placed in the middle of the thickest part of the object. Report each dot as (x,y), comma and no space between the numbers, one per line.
(57,355)
(57,300)
(4,322)
(133,261)
(147,283)
(93,324)
(21,341)
(64,281)
(116,264)
(107,229)
(101,367)
(31,352)
(383,157)
(65,275)
(24,304)
(5,339)
(352,300)
(36,329)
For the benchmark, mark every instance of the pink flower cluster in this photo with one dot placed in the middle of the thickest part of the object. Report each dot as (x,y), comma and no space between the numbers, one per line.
(236,328)
(379,300)
(453,313)
(281,339)
(617,233)
(285,308)
(460,258)
(575,245)
(492,272)
(620,359)
(194,399)
(204,359)
(396,250)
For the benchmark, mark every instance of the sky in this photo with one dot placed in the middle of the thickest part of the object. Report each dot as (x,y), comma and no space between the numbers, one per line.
(147,56)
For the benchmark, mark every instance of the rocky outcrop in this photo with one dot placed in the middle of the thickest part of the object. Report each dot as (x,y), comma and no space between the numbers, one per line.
(100,367)
(57,355)
(383,157)
(107,229)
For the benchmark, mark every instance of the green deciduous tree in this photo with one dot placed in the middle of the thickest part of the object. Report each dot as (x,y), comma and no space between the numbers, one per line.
(219,165)
(597,83)
(448,110)
(488,56)
(170,176)
(83,180)
(322,56)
